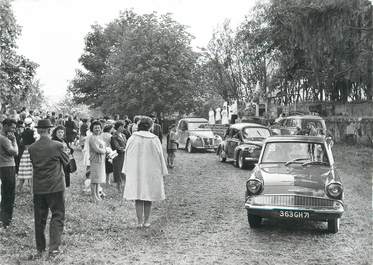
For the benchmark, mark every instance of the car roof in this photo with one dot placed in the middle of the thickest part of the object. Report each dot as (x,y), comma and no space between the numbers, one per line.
(304,117)
(241,125)
(195,119)
(295,138)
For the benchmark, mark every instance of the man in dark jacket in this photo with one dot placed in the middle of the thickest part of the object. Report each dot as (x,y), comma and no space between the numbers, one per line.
(48,159)
(8,150)
(156,129)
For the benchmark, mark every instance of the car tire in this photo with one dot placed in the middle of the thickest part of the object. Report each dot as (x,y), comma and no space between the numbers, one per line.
(189,148)
(240,162)
(254,220)
(221,157)
(333,225)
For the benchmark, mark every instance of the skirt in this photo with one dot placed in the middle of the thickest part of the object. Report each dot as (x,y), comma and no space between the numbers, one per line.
(25,166)
(97,172)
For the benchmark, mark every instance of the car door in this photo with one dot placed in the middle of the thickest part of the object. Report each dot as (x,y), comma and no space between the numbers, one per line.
(233,142)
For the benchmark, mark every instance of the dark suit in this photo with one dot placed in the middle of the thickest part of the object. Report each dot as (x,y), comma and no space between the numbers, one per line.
(48,160)
(118,143)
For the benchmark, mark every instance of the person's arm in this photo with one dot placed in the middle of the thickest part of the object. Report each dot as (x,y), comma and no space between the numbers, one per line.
(115,144)
(160,133)
(10,147)
(64,158)
(96,146)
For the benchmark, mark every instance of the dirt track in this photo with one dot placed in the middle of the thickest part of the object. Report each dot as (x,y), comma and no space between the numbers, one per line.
(203,222)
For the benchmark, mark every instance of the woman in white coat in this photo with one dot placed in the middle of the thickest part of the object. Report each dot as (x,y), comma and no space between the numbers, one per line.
(144,167)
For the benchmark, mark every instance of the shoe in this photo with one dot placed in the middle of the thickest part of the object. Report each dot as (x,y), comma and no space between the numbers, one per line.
(147,225)
(54,253)
(36,256)
(139,226)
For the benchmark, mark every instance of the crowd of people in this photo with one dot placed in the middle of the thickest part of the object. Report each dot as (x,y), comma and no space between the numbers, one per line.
(39,150)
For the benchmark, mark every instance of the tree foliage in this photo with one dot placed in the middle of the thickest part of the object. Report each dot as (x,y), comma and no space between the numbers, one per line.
(138,64)
(17,83)
(295,50)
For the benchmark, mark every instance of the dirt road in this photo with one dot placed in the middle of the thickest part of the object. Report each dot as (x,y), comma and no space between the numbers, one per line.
(202,222)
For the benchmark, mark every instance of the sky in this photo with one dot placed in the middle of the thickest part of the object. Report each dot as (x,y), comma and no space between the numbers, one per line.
(53,31)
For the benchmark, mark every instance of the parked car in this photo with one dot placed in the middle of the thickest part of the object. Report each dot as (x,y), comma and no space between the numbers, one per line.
(296,124)
(243,143)
(193,134)
(295,179)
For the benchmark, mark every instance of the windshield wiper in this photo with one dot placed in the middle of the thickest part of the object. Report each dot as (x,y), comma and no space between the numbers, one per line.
(295,160)
(315,163)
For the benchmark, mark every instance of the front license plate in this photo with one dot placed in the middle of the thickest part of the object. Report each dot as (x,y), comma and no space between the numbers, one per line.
(295,214)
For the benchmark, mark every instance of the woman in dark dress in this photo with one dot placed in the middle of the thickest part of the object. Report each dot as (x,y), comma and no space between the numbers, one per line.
(118,143)
(58,135)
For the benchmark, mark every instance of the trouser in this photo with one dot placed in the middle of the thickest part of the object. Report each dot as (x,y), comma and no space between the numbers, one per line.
(42,203)
(8,187)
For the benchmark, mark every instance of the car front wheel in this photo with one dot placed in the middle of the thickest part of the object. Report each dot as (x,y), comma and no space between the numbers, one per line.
(254,220)
(241,161)
(333,225)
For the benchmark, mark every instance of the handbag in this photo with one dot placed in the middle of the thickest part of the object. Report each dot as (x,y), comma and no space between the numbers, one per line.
(72,165)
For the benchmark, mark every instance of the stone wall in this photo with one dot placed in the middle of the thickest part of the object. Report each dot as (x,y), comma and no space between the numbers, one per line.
(351,130)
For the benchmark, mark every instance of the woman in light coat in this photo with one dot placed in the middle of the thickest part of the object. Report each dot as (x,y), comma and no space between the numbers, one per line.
(97,154)
(144,167)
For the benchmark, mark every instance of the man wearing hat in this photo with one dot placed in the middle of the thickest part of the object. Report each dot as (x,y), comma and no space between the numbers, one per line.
(48,160)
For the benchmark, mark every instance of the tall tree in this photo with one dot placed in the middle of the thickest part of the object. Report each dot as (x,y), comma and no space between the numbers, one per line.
(16,71)
(138,64)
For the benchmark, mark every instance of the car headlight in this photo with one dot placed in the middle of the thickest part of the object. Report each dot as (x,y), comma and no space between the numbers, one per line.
(334,190)
(198,140)
(254,186)
(250,148)
(218,138)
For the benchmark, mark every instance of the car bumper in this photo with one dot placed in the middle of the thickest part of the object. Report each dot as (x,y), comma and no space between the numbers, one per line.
(206,147)
(279,212)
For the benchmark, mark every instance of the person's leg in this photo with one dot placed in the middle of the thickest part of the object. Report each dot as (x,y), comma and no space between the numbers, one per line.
(56,202)
(147,210)
(8,187)
(21,182)
(172,158)
(139,205)
(94,193)
(40,216)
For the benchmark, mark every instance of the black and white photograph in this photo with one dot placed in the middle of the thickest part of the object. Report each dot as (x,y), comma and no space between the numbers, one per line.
(178,132)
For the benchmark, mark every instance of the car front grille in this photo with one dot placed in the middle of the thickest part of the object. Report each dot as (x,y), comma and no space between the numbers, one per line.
(208,141)
(293,200)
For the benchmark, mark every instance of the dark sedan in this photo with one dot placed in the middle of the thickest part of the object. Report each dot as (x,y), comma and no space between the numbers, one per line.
(296,179)
(243,143)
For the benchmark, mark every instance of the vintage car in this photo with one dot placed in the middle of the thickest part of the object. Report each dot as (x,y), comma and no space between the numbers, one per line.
(192,134)
(243,143)
(291,125)
(295,179)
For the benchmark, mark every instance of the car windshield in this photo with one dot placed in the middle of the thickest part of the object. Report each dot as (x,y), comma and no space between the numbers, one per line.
(255,132)
(294,152)
(319,124)
(196,126)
